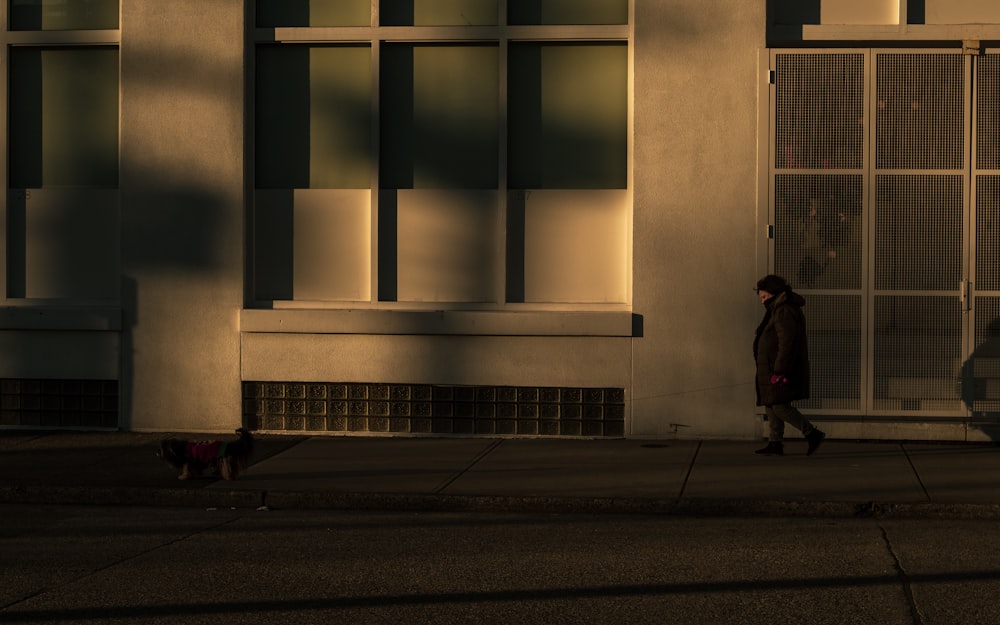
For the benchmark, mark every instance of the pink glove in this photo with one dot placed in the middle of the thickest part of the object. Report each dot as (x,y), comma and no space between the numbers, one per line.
(777,378)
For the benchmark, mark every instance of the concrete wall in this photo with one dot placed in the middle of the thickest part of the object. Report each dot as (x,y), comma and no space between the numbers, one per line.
(694,215)
(182,212)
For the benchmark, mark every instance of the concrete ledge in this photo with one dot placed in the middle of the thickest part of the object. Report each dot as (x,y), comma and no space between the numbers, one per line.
(438,322)
(394,502)
(129,496)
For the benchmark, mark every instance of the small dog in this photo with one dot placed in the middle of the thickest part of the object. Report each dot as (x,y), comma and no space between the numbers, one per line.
(192,458)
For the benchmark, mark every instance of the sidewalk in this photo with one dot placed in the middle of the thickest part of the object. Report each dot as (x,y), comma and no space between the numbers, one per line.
(843,479)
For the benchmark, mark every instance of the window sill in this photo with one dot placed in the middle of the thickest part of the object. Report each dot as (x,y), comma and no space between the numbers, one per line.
(438,322)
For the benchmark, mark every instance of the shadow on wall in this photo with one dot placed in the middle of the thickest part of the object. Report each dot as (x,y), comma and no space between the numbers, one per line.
(172,233)
(173,228)
(981,382)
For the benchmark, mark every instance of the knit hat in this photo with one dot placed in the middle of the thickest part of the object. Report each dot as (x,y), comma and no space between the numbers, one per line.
(772,284)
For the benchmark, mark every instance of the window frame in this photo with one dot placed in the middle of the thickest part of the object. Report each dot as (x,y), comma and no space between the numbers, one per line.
(107,309)
(376,36)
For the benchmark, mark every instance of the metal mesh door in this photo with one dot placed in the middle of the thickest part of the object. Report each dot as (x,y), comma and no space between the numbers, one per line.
(818,200)
(872,227)
(982,369)
(919,251)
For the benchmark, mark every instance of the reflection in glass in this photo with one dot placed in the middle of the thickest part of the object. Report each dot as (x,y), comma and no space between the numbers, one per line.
(63,117)
(313,117)
(63,14)
(530,12)
(318,13)
(440,116)
(568,110)
(438,12)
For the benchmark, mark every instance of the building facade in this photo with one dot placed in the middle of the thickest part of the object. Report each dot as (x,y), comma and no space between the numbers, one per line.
(496,217)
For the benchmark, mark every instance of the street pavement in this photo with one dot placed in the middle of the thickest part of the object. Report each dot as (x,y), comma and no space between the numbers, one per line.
(680,477)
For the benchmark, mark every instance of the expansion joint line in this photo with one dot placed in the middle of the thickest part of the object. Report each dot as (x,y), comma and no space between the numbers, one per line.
(485,452)
(687,474)
(916,473)
(904,579)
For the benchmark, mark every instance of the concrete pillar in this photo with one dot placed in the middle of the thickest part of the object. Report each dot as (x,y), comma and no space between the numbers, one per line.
(182,200)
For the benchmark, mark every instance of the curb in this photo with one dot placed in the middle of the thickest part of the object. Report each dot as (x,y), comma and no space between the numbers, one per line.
(129,496)
(401,502)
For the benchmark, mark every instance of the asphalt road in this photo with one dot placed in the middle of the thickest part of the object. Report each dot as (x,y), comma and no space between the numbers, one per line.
(61,564)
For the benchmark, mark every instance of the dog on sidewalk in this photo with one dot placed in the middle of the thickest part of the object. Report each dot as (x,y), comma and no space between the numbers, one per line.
(192,458)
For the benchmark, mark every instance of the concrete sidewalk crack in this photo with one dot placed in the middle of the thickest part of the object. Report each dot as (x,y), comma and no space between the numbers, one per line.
(687,475)
(485,452)
(904,579)
(916,473)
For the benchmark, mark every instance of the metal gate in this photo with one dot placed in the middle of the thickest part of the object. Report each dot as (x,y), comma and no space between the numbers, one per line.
(884,211)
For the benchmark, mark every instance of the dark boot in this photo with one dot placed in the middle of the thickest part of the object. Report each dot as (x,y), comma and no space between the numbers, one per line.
(772,449)
(814,438)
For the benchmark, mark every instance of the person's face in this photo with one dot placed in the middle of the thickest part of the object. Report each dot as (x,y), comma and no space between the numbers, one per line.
(764,295)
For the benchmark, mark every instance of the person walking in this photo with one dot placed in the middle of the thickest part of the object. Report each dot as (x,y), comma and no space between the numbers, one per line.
(781,352)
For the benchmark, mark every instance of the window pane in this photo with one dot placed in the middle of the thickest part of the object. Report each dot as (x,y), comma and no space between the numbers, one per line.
(64,117)
(568,116)
(439,116)
(438,12)
(63,14)
(567,12)
(313,117)
(277,13)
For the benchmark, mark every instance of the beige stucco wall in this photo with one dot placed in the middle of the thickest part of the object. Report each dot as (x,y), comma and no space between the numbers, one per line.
(182,213)
(465,360)
(694,214)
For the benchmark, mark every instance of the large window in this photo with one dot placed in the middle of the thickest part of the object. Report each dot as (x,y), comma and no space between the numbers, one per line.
(416,153)
(61,208)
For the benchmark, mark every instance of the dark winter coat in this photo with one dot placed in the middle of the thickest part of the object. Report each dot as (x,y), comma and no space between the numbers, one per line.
(780,347)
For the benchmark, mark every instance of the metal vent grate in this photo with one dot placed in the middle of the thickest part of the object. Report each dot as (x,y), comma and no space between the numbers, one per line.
(920,111)
(918,232)
(820,115)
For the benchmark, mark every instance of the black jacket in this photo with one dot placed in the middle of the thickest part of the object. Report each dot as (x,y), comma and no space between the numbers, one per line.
(780,347)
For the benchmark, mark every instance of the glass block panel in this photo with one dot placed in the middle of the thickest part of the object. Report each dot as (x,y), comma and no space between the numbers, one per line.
(819,101)
(818,230)
(988,112)
(834,329)
(987,233)
(302,13)
(440,116)
(982,379)
(438,12)
(313,117)
(63,117)
(920,111)
(567,12)
(918,232)
(917,353)
(568,116)
(63,14)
